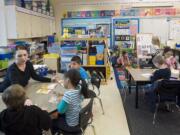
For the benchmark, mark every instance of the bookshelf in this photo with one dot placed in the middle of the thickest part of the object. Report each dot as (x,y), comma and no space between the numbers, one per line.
(93,52)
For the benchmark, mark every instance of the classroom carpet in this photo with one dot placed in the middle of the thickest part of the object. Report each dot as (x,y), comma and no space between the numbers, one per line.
(140,120)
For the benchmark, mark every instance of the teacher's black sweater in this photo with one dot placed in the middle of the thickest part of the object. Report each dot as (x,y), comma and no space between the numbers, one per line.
(15,76)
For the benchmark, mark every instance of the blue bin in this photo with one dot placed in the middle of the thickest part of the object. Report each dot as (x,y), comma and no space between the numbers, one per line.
(99,62)
(6,56)
(178,46)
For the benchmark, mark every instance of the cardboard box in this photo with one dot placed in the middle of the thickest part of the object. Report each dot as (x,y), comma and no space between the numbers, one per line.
(52,61)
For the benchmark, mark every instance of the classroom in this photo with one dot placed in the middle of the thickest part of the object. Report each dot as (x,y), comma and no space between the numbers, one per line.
(89,67)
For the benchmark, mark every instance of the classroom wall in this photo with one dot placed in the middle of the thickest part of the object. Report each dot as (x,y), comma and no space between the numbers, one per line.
(3,35)
(62,6)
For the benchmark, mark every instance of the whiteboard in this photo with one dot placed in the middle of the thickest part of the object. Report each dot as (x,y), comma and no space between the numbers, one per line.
(157,26)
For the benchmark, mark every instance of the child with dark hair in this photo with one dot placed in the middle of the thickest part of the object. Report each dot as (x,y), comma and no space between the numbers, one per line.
(76,64)
(124,60)
(169,58)
(19,119)
(69,107)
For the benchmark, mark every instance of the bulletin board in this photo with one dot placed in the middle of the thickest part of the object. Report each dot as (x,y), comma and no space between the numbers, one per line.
(124,32)
(88,23)
(143,44)
(174,29)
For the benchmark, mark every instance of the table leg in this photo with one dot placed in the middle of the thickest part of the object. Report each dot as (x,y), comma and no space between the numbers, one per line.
(136,98)
(129,83)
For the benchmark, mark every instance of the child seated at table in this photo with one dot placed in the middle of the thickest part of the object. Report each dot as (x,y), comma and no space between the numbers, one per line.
(67,118)
(20,119)
(76,64)
(163,72)
(169,58)
(124,59)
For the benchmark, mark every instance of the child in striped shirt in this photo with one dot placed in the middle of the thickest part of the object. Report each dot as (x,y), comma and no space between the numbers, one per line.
(70,105)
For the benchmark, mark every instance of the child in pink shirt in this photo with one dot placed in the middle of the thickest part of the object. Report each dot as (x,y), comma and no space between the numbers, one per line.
(124,60)
(170,60)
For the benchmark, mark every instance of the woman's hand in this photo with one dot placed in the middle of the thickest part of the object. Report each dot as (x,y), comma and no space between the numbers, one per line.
(61,82)
(54,115)
(28,102)
(54,79)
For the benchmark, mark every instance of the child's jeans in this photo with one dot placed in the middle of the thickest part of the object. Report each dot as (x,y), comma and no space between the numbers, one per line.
(60,124)
(151,95)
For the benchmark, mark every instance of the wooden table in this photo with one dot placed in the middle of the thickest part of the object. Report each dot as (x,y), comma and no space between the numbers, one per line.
(41,100)
(141,77)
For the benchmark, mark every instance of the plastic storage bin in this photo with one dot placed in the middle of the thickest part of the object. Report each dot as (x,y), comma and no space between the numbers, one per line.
(6,56)
(177,46)
(3,64)
(92,60)
(100,62)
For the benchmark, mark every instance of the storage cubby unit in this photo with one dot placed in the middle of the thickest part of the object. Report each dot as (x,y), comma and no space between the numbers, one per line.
(93,53)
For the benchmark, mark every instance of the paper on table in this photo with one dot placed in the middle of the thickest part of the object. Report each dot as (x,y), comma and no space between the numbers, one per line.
(175,73)
(46,88)
(147,75)
(51,86)
(43,91)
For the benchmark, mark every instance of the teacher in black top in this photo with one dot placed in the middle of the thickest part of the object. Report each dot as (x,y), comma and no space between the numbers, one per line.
(21,71)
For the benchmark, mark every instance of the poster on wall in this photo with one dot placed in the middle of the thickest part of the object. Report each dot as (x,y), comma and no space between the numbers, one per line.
(83,14)
(95,14)
(124,12)
(109,13)
(117,13)
(105,29)
(174,30)
(143,44)
(124,31)
(122,24)
(88,13)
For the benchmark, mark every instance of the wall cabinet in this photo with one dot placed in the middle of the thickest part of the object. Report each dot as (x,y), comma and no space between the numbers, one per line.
(36,30)
(23,23)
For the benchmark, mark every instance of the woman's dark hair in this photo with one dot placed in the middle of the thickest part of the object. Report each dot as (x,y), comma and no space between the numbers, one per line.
(124,52)
(74,76)
(14,96)
(166,49)
(21,47)
(76,59)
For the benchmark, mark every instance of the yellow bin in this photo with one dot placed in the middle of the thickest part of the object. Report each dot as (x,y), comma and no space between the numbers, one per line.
(92,60)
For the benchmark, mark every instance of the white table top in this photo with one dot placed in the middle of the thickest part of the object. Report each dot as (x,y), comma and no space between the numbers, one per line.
(140,74)
(39,99)
(144,74)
